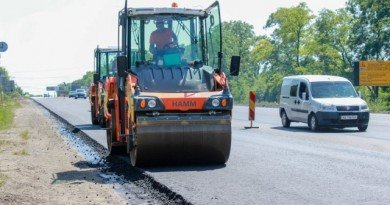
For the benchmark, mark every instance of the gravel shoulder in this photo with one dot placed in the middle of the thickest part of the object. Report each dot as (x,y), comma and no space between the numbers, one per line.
(37,166)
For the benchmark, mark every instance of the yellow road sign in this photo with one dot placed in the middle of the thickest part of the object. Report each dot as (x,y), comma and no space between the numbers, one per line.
(374,73)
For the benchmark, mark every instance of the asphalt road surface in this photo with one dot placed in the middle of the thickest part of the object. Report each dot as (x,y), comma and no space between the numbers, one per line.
(272,164)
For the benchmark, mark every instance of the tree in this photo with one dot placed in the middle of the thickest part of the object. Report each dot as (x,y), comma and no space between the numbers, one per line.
(85,81)
(238,38)
(328,45)
(4,72)
(371,37)
(5,78)
(262,52)
(371,26)
(282,53)
(87,78)
(291,25)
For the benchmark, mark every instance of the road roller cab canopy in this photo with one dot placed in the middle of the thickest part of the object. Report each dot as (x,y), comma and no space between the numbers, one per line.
(104,62)
(179,45)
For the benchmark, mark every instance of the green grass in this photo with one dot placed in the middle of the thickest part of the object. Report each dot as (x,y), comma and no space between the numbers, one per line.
(22,152)
(25,135)
(3,179)
(378,107)
(5,142)
(6,117)
(7,108)
(381,105)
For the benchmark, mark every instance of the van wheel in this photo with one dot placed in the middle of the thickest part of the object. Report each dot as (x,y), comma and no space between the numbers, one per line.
(362,128)
(313,123)
(285,121)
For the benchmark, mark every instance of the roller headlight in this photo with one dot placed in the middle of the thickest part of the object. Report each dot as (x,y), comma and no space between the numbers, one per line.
(215,102)
(152,103)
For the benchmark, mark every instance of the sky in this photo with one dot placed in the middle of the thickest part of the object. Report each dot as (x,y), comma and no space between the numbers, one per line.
(52,41)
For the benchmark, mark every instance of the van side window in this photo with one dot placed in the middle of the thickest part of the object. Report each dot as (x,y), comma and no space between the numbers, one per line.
(293,89)
(303,89)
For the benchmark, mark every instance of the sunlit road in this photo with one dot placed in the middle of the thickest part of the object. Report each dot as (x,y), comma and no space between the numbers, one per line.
(274,165)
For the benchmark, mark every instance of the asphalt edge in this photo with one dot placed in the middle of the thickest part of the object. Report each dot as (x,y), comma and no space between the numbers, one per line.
(154,184)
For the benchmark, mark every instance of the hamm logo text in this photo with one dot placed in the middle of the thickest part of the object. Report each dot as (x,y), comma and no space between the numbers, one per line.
(184,104)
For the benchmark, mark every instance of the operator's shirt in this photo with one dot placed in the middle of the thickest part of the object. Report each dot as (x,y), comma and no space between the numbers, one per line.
(161,37)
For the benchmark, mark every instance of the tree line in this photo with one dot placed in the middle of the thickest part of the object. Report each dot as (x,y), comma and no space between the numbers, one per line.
(7,85)
(302,43)
(83,82)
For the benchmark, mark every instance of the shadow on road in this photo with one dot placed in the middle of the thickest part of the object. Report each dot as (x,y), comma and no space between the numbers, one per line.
(77,177)
(307,129)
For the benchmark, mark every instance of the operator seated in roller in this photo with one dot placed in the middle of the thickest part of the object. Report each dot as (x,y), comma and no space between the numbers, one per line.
(162,39)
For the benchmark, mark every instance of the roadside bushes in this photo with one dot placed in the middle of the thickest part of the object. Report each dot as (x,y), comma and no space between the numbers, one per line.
(381,104)
(7,108)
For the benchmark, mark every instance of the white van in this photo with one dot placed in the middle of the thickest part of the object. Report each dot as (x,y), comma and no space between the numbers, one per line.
(322,101)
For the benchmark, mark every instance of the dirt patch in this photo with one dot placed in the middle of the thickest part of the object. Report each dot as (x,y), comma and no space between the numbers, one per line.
(38,167)
(25,135)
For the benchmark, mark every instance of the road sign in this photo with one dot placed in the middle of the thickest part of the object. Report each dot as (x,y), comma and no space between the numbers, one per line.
(252,108)
(52,88)
(6,85)
(372,73)
(252,105)
(3,46)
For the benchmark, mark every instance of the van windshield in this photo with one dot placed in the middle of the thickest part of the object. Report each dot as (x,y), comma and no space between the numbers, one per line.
(333,90)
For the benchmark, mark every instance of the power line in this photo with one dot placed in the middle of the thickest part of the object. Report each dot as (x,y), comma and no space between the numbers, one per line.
(43,77)
(49,70)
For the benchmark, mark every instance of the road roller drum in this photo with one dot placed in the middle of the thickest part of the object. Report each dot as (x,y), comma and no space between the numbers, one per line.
(182,140)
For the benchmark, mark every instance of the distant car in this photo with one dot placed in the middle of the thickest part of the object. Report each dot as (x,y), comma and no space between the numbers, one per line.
(72,94)
(81,93)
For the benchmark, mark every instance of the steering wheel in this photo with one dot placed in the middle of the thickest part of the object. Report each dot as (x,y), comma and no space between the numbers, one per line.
(170,45)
